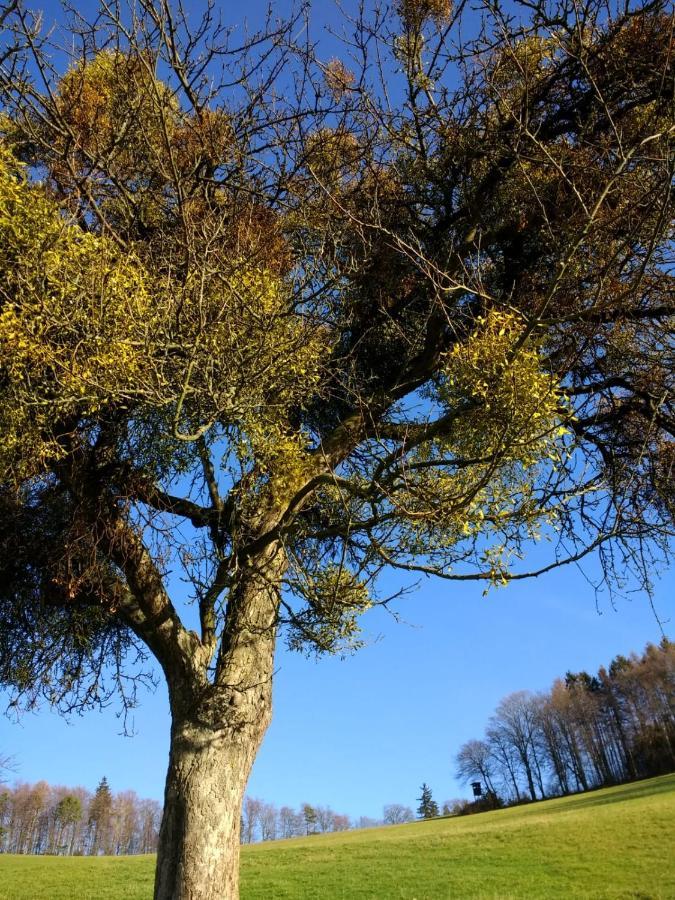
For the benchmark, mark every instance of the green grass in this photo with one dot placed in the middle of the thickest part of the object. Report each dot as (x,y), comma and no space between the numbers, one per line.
(615,843)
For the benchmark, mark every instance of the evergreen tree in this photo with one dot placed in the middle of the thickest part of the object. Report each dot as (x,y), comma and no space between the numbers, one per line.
(310,817)
(428,808)
(100,818)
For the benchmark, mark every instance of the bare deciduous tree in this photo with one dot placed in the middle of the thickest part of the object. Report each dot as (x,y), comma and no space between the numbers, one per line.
(397,814)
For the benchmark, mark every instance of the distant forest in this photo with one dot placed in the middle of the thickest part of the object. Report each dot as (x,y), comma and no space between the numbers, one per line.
(41,818)
(587,731)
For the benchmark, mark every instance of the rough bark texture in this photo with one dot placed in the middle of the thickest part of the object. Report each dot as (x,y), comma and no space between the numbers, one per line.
(198,856)
(216,731)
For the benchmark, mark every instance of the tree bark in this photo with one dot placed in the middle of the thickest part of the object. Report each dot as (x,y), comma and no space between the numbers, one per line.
(198,852)
(217,728)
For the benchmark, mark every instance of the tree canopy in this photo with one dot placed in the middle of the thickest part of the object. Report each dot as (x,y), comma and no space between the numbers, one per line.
(275,322)
(413,336)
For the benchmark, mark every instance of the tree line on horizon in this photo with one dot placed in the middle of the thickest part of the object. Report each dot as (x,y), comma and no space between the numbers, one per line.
(587,731)
(261,821)
(65,821)
(50,819)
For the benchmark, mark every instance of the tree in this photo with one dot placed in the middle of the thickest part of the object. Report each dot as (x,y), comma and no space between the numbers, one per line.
(562,708)
(150,814)
(366,822)
(277,340)
(125,823)
(67,813)
(100,819)
(396,814)
(29,818)
(428,808)
(4,808)
(455,807)
(325,818)
(549,738)
(587,713)
(310,818)
(515,721)
(269,822)
(587,731)
(341,822)
(506,759)
(290,822)
(42,818)
(475,762)
(251,813)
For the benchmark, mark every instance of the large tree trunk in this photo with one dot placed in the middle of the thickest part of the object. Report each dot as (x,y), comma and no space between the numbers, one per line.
(198,853)
(216,731)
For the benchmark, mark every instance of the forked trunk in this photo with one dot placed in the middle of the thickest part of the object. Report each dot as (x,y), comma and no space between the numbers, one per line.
(216,731)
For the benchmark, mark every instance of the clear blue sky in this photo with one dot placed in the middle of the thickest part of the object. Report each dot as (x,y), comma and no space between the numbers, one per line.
(359,733)
(362,732)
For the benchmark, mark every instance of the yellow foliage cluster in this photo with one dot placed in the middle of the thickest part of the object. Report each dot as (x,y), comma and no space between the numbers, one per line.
(335,599)
(510,425)
(73,320)
(84,326)
(333,154)
(517,404)
(251,359)
(112,101)
(339,79)
(120,120)
(524,62)
(280,456)
(415,13)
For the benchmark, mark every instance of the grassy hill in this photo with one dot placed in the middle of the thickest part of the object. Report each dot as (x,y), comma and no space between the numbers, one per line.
(615,843)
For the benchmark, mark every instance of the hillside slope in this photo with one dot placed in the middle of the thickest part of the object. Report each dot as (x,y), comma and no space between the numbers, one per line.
(615,843)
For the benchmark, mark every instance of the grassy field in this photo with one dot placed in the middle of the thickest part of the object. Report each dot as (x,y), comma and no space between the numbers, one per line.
(615,843)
